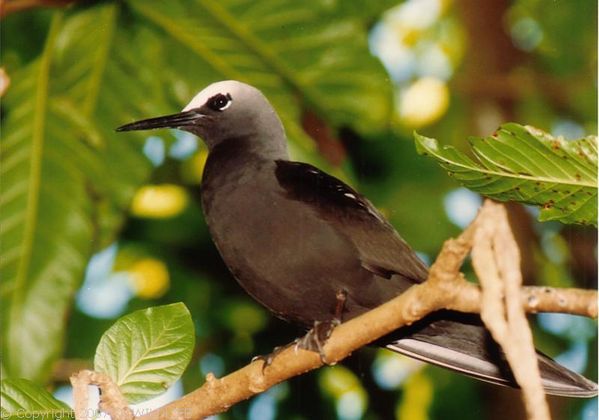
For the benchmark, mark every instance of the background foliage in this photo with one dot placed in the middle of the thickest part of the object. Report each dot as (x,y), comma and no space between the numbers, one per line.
(95,224)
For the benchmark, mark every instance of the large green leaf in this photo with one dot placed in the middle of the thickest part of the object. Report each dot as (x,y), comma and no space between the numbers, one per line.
(146,351)
(40,267)
(285,48)
(527,165)
(66,183)
(23,399)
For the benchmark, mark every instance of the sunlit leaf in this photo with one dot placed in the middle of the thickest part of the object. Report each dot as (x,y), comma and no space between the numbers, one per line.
(23,399)
(417,397)
(343,385)
(529,166)
(66,183)
(146,351)
(150,278)
(338,380)
(159,201)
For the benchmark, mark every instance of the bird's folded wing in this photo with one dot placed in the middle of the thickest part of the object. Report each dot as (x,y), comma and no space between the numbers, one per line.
(381,249)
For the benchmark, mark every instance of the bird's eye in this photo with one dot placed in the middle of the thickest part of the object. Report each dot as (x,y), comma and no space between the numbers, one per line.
(220,102)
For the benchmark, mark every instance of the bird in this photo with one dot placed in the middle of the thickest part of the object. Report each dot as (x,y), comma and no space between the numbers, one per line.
(313,250)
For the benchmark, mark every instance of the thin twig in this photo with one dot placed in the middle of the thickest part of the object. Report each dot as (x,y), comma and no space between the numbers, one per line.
(568,301)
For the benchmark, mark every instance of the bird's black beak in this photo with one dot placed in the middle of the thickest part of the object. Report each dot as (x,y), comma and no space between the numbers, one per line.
(180,120)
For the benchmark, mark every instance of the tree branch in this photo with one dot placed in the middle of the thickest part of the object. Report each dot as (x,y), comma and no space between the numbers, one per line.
(112,400)
(496,260)
(445,288)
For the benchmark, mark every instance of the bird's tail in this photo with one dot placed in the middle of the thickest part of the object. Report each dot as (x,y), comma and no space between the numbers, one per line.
(461,343)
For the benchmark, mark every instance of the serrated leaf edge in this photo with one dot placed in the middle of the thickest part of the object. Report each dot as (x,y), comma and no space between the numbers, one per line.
(483,170)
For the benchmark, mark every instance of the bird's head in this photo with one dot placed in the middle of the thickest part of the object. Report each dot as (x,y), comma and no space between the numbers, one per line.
(223,110)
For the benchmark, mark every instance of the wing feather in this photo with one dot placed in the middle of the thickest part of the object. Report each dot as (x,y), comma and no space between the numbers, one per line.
(381,249)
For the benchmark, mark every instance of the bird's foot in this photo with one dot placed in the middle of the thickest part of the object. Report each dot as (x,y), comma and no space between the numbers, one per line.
(317,337)
(267,359)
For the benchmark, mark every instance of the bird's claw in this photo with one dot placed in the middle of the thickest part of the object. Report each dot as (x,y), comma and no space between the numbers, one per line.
(317,337)
(314,341)
(267,359)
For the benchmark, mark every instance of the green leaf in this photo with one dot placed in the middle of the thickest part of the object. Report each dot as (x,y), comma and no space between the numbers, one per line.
(23,399)
(369,11)
(66,182)
(286,48)
(40,268)
(146,351)
(527,165)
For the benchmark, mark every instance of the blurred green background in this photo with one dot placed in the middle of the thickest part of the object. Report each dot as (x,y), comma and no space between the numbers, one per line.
(96,225)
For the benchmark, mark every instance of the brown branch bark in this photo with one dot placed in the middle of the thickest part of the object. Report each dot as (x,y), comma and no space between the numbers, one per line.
(496,260)
(112,401)
(445,288)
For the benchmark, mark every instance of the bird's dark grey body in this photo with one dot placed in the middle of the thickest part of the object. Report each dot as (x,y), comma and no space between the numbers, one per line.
(295,237)
(289,248)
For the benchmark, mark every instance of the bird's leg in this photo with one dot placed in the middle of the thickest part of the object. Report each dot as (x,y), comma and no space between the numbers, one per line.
(340,307)
(316,338)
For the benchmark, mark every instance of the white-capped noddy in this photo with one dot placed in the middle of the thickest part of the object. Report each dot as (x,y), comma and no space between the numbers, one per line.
(311,249)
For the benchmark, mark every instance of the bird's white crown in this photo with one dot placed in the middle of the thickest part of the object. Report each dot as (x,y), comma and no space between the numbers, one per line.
(232,87)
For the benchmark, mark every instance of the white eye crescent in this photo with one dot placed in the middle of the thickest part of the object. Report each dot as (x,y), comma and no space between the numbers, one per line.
(220,102)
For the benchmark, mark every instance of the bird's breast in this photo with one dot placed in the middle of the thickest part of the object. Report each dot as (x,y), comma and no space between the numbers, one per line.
(279,250)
